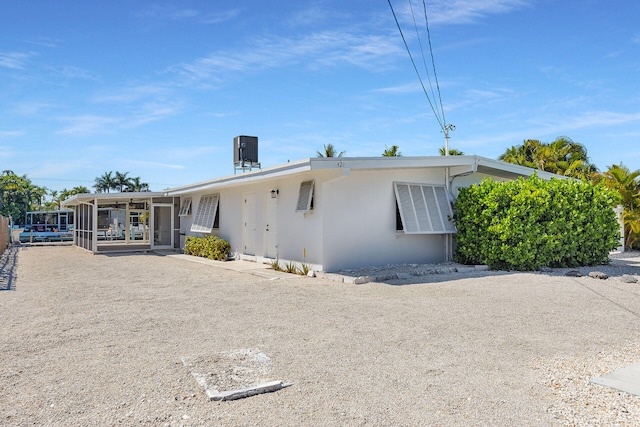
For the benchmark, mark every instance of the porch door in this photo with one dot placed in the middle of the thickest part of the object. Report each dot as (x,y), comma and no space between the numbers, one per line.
(249,221)
(162,226)
(270,232)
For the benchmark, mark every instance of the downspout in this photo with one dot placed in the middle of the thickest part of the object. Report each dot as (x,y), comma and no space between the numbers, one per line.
(448,183)
(448,238)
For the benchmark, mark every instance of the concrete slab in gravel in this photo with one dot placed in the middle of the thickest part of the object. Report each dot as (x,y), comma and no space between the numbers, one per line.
(625,379)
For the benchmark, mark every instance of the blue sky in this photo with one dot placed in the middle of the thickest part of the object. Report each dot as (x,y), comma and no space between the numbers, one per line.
(159,89)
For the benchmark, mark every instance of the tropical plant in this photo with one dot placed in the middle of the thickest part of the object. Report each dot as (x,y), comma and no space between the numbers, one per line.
(627,184)
(330,151)
(393,151)
(121,181)
(136,185)
(452,152)
(104,183)
(18,196)
(562,156)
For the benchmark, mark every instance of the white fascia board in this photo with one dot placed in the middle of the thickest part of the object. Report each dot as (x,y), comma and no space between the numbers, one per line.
(108,197)
(243,178)
(501,168)
(391,162)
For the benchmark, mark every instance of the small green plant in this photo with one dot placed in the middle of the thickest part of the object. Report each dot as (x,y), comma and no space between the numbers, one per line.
(275,264)
(291,267)
(304,269)
(211,247)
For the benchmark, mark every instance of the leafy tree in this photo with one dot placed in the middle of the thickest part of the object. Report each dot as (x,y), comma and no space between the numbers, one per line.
(562,156)
(452,151)
(18,196)
(330,151)
(393,151)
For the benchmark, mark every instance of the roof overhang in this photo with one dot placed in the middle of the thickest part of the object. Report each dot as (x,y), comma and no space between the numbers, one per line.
(457,165)
(111,198)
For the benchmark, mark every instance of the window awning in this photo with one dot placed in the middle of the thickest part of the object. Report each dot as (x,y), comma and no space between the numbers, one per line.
(424,208)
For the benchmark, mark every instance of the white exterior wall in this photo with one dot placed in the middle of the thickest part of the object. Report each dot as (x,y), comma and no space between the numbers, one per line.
(360,221)
(296,233)
(353,223)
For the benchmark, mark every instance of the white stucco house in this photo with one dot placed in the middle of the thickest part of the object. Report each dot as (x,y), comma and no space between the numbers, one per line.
(330,213)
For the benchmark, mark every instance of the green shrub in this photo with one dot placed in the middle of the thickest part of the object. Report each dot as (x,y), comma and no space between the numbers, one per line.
(211,247)
(529,223)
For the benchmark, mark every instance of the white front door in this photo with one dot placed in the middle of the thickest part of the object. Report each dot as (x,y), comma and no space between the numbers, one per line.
(162,226)
(249,221)
(270,231)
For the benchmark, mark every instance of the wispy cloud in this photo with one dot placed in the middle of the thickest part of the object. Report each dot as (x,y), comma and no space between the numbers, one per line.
(407,88)
(469,11)
(15,60)
(10,133)
(151,112)
(636,39)
(157,164)
(87,125)
(131,94)
(71,72)
(173,13)
(31,108)
(326,49)
(44,41)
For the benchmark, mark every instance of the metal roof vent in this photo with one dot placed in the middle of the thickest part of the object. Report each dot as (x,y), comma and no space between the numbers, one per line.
(245,153)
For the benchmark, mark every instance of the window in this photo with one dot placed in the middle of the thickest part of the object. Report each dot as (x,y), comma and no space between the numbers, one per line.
(305,197)
(204,219)
(423,209)
(185,207)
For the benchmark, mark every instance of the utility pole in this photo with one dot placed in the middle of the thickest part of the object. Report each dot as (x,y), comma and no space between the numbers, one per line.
(447,128)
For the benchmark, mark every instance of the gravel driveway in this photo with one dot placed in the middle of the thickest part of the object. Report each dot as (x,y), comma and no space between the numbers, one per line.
(113,340)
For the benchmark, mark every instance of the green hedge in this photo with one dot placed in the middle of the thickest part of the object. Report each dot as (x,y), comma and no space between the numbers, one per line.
(211,247)
(529,223)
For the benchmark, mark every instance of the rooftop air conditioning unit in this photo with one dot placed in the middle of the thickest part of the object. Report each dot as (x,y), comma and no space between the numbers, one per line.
(245,151)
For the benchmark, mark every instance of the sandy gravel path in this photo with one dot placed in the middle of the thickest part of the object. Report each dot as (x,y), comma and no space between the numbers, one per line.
(102,340)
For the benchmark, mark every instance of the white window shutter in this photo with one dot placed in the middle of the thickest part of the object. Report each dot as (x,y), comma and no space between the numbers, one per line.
(185,207)
(206,214)
(305,196)
(424,209)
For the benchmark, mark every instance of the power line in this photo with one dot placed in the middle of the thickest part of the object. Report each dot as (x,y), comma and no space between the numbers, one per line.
(442,126)
(424,60)
(433,63)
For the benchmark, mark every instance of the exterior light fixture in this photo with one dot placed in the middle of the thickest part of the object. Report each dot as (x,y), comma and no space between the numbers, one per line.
(274,193)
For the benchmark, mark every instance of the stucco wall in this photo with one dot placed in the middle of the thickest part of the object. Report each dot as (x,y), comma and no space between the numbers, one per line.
(353,223)
(296,233)
(360,221)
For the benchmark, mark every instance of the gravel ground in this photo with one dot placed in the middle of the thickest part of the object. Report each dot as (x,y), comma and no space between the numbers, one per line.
(115,340)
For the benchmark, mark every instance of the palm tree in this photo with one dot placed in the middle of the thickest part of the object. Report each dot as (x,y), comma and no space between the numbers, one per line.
(121,181)
(65,194)
(55,199)
(394,151)
(562,156)
(104,183)
(330,151)
(627,184)
(452,152)
(135,185)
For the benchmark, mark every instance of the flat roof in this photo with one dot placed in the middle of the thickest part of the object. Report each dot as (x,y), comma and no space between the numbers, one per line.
(464,163)
(459,164)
